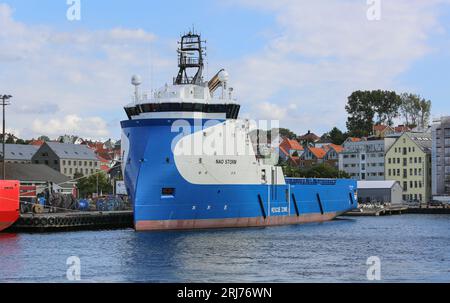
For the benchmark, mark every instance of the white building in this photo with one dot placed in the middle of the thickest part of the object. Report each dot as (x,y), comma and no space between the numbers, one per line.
(364,159)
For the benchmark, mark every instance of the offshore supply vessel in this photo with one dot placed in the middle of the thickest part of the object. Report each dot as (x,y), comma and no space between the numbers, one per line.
(190,163)
(9,203)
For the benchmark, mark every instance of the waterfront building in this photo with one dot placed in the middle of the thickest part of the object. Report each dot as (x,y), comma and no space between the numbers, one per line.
(40,177)
(17,153)
(290,150)
(68,159)
(309,139)
(389,191)
(408,161)
(381,131)
(363,159)
(332,154)
(312,156)
(441,158)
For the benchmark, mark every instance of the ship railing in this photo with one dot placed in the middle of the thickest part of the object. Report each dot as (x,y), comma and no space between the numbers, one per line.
(313,181)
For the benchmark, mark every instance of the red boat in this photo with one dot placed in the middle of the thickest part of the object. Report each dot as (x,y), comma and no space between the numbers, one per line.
(9,203)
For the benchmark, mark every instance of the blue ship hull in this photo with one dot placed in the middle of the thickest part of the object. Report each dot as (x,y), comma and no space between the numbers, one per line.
(150,167)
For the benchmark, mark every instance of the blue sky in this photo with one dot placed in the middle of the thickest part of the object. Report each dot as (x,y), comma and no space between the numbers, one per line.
(291,60)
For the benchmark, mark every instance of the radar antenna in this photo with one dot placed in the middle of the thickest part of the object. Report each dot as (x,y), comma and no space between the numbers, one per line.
(190,55)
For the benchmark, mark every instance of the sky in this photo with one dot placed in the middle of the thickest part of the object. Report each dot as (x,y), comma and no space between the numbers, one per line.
(294,61)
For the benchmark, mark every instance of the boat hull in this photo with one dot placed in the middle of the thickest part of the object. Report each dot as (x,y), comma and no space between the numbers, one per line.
(150,168)
(9,203)
(232,222)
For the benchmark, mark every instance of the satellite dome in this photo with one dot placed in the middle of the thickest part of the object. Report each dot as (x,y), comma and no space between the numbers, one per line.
(136,80)
(224,76)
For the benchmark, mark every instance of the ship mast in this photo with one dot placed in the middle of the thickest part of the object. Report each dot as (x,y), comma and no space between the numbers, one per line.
(190,56)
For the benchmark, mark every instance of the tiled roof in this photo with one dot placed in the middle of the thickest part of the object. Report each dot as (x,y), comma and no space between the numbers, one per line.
(289,144)
(423,140)
(309,137)
(337,148)
(353,139)
(402,129)
(19,152)
(317,152)
(37,173)
(72,151)
(380,127)
(37,142)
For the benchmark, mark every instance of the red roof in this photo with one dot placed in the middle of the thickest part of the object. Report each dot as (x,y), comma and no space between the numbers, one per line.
(36,142)
(288,144)
(319,153)
(311,137)
(402,129)
(380,127)
(337,148)
(353,139)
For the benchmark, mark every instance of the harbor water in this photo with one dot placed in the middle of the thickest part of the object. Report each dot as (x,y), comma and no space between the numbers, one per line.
(411,248)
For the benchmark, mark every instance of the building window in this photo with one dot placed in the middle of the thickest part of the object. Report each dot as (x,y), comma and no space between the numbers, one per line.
(56,162)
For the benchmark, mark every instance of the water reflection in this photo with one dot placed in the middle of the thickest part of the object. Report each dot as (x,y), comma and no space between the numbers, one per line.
(412,248)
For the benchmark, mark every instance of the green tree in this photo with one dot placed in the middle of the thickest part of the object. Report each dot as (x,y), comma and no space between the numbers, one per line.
(287,133)
(361,114)
(415,110)
(44,138)
(88,185)
(365,108)
(336,136)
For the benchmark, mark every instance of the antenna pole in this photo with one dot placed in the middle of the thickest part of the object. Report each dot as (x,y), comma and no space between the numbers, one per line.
(5,102)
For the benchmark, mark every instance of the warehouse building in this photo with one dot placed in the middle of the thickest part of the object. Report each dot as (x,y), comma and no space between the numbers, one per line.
(18,153)
(68,159)
(40,177)
(380,192)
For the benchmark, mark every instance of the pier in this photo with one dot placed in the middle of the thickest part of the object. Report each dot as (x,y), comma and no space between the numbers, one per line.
(398,210)
(387,211)
(73,221)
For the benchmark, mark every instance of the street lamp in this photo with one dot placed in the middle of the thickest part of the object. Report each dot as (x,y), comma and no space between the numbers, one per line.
(5,102)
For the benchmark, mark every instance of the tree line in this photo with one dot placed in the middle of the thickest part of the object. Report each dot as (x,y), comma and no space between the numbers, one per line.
(368,108)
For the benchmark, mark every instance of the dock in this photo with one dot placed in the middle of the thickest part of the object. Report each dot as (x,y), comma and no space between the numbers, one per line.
(429,210)
(387,211)
(73,221)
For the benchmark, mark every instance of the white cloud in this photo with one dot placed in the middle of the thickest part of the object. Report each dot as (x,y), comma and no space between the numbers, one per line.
(325,49)
(54,73)
(94,127)
(269,111)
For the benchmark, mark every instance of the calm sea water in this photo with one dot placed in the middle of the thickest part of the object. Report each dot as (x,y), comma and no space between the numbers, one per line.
(412,248)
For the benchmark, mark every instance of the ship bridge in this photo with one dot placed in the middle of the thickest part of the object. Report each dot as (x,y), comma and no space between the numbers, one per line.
(189,96)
